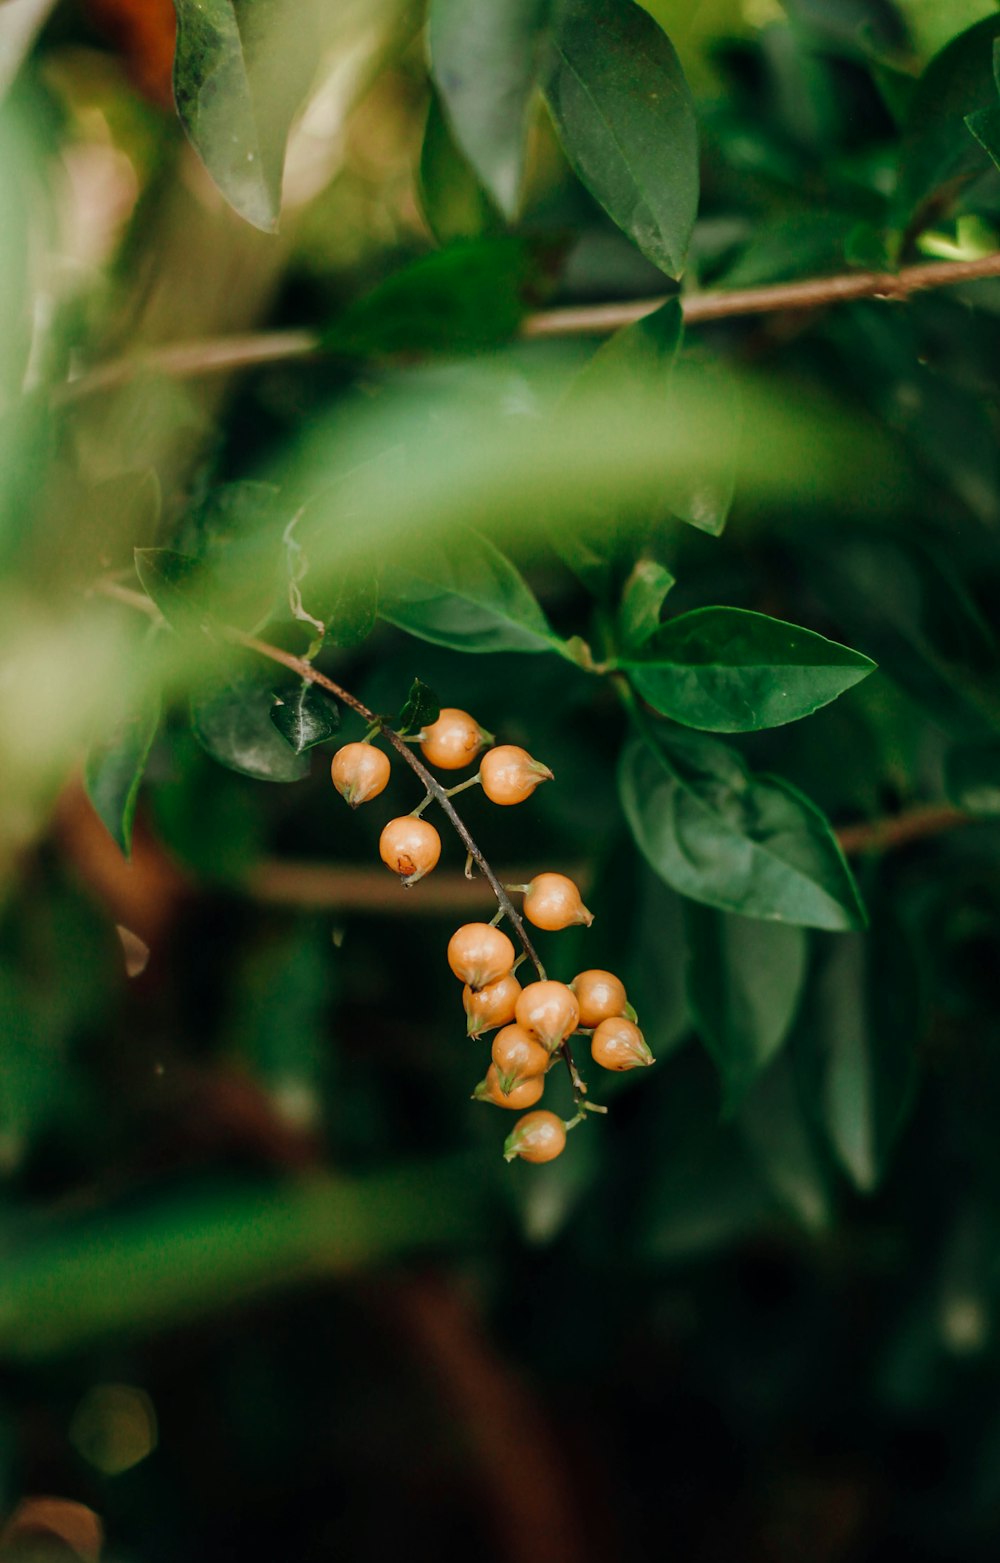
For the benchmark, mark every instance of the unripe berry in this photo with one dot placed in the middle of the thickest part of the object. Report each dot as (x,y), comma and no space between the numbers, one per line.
(479,954)
(509,774)
(524,1094)
(359,772)
(600,995)
(619,1044)
(536,1137)
(410,847)
(552,901)
(491,1006)
(517,1056)
(453,740)
(549,1011)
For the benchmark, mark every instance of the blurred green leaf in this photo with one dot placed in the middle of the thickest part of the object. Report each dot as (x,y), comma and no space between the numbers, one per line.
(485,57)
(643,596)
(723,836)
(350,608)
(727,670)
(624,115)
(305,717)
(782,1140)
(744,982)
(176,583)
(972,777)
(465,595)
(232,722)
(114,769)
(420,709)
(642,353)
(453,201)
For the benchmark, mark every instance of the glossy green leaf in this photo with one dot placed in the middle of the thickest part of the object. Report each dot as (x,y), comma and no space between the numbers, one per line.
(731,839)
(727,670)
(467,595)
(624,115)
(485,57)
(176,583)
(232,722)
(305,717)
(744,983)
(470,296)
(972,777)
(114,769)
(421,708)
(643,596)
(241,70)
(453,201)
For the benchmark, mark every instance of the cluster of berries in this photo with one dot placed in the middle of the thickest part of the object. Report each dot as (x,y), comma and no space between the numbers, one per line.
(534,1023)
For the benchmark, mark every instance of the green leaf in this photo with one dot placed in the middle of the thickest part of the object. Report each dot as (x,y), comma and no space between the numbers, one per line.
(453,201)
(731,839)
(232,722)
(176,583)
(114,769)
(304,717)
(727,670)
(705,500)
(241,70)
(984,123)
(470,296)
(624,115)
(744,983)
(235,532)
(466,595)
(643,597)
(349,608)
(485,57)
(972,777)
(420,709)
(641,355)
(783,1142)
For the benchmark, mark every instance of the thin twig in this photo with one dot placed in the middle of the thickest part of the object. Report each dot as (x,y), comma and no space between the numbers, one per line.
(222,355)
(884,835)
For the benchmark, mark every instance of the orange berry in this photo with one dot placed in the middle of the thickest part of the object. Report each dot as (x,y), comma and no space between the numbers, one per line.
(600,995)
(480,954)
(536,1137)
(410,847)
(619,1044)
(524,1093)
(453,740)
(491,1006)
(359,772)
(517,1056)
(509,774)
(549,1011)
(552,901)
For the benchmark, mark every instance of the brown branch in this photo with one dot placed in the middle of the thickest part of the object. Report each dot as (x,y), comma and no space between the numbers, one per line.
(338,887)
(222,355)
(884,835)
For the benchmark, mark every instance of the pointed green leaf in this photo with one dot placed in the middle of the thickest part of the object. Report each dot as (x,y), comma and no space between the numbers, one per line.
(624,115)
(485,57)
(727,670)
(724,836)
(453,201)
(937,153)
(466,595)
(232,722)
(640,355)
(305,717)
(420,709)
(176,584)
(114,769)
(643,597)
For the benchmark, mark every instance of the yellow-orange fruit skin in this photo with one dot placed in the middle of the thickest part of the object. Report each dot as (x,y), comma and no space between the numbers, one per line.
(552,901)
(410,847)
(453,740)
(360,772)
(516,1053)
(480,954)
(537,1137)
(549,1011)
(525,1093)
(509,774)
(619,1044)
(492,1006)
(600,995)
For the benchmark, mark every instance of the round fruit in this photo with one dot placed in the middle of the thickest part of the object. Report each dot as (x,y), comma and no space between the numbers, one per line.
(509,774)
(359,772)
(549,1011)
(524,1094)
(453,740)
(480,954)
(552,901)
(492,1006)
(518,1056)
(536,1137)
(600,995)
(410,847)
(619,1044)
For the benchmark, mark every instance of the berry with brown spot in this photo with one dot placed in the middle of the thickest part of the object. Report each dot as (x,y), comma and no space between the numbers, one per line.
(517,1056)
(549,1011)
(359,772)
(524,1094)
(600,995)
(410,847)
(552,901)
(509,774)
(619,1044)
(480,954)
(453,740)
(492,1006)
(537,1137)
